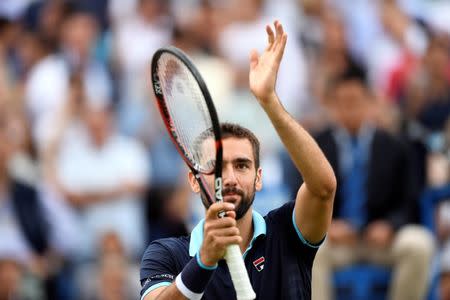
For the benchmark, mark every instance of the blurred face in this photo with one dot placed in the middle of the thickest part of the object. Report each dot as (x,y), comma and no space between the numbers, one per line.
(79,34)
(98,122)
(312,7)
(444,286)
(349,103)
(334,34)
(151,9)
(29,50)
(436,61)
(240,177)
(7,143)
(10,278)
(246,10)
(51,18)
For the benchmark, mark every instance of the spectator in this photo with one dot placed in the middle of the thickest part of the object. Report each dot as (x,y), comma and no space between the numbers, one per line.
(47,85)
(26,246)
(100,172)
(374,199)
(136,39)
(427,98)
(245,19)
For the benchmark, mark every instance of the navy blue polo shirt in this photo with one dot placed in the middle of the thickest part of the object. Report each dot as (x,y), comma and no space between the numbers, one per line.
(278,260)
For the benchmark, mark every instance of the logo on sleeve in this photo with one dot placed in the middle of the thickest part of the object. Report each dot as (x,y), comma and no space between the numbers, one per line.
(159,277)
(259,263)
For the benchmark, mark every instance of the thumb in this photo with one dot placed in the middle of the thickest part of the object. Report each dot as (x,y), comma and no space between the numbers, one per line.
(254,57)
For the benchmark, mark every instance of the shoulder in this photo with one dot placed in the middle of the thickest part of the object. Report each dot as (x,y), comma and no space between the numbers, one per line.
(23,190)
(385,140)
(167,245)
(383,135)
(168,255)
(281,224)
(280,215)
(162,261)
(323,134)
(324,138)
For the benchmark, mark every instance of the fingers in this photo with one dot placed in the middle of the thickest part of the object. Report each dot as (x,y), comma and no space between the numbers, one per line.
(219,232)
(279,30)
(225,241)
(270,35)
(231,214)
(276,42)
(218,207)
(283,45)
(219,223)
(223,232)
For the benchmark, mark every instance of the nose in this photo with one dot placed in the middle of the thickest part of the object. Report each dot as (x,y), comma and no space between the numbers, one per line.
(228,176)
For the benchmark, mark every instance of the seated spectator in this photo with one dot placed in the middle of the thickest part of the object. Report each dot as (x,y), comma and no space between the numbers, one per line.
(427,94)
(26,248)
(168,210)
(100,172)
(113,270)
(375,197)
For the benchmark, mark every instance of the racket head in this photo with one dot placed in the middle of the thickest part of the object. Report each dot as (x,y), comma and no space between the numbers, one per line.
(189,114)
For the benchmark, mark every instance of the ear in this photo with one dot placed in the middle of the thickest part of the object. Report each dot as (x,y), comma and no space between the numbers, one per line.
(258,180)
(195,187)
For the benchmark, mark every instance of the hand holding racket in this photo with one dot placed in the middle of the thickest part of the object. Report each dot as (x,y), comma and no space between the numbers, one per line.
(191,120)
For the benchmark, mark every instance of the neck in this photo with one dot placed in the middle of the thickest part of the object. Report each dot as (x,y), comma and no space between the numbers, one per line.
(245,225)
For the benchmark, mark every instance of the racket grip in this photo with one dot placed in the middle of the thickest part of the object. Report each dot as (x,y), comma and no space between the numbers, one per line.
(238,272)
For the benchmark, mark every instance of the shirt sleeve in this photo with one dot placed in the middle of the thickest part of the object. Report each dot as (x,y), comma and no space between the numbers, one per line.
(282,221)
(158,268)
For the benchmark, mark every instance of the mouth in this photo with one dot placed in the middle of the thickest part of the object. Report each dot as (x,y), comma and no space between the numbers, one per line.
(232,197)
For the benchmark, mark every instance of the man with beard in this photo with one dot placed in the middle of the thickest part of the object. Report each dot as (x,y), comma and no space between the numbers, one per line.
(279,248)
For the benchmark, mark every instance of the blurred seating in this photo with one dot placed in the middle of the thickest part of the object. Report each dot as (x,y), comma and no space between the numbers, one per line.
(362,282)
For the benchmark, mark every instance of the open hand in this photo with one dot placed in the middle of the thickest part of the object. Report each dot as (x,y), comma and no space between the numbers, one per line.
(264,67)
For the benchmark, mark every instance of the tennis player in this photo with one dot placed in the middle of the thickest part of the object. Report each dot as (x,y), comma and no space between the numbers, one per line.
(279,248)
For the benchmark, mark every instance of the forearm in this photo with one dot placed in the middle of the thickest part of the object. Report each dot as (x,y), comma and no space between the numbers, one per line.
(189,284)
(303,150)
(168,293)
(87,198)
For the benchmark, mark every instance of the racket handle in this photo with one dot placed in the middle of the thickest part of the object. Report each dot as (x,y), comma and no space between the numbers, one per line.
(238,272)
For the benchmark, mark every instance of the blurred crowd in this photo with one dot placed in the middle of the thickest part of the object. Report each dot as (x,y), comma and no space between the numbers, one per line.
(88,176)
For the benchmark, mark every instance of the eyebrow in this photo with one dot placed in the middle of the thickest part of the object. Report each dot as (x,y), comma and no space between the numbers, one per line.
(239,160)
(242,160)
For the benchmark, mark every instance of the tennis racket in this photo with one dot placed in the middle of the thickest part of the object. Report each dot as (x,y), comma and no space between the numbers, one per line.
(190,117)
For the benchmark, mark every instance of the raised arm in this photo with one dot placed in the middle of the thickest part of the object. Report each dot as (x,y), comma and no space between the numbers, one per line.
(314,202)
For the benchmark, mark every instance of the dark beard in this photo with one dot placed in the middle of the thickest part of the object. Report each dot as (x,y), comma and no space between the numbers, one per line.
(244,205)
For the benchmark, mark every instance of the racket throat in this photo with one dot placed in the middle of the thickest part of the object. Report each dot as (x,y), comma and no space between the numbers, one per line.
(218,189)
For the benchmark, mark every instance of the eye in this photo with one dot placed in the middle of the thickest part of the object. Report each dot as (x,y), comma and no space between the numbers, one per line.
(242,166)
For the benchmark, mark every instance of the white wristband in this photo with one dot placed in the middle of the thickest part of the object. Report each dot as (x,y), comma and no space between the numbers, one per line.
(185,291)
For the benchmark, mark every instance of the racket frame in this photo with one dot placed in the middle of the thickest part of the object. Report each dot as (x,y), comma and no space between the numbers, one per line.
(233,255)
(167,118)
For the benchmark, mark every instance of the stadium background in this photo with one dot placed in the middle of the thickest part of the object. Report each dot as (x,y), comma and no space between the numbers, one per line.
(76,71)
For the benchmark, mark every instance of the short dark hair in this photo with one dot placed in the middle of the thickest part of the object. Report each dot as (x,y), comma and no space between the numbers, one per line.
(353,72)
(229,130)
(240,132)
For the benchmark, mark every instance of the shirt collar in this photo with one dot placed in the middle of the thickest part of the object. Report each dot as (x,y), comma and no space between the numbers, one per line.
(259,226)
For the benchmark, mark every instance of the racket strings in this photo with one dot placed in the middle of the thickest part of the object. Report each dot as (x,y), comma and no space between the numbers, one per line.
(188,110)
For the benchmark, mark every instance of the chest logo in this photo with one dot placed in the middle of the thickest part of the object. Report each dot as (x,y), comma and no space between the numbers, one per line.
(259,263)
